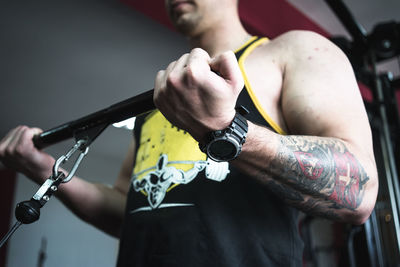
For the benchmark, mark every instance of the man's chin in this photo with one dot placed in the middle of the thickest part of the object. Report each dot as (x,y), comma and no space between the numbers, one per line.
(184,25)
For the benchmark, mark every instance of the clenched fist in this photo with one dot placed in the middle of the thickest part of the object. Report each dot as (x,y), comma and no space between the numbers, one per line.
(197,93)
(18,152)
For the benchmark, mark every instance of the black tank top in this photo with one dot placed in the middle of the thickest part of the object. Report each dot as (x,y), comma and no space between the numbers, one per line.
(185,210)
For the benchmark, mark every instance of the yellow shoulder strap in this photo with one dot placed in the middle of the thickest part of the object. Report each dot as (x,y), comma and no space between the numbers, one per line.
(253,97)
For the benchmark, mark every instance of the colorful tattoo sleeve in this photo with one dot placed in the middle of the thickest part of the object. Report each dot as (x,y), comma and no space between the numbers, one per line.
(317,175)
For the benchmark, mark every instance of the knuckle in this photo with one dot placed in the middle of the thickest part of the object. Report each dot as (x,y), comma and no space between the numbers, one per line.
(191,72)
(229,55)
(199,53)
(171,65)
(158,82)
(160,73)
(197,50)
(19,150)
(27,133)
(22,128)
(184,57)
(227,61)
(173,80)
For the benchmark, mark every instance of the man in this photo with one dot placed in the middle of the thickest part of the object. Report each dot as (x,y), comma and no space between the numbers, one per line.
(306,144)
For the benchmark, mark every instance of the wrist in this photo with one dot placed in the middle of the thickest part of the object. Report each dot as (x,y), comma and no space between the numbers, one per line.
(218,124)
(259,138)
(42,173)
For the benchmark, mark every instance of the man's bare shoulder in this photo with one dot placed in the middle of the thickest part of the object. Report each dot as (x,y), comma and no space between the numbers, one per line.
(300,49)
(295,48)
(299,39)
(298,43)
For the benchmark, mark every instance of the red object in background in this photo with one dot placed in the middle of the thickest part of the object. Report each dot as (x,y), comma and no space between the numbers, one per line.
(261,17)
(7,189)
(273,17)
(365,92)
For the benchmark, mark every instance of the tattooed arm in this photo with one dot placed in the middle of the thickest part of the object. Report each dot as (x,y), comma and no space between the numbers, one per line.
(326,166)
(318,175)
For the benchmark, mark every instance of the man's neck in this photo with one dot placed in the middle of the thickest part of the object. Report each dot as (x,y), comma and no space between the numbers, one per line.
(220,39)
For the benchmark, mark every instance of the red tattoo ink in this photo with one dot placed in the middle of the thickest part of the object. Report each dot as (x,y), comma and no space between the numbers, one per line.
(310,166)
(347,180)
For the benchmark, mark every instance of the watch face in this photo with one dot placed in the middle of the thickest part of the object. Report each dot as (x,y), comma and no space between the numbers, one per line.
(222,150)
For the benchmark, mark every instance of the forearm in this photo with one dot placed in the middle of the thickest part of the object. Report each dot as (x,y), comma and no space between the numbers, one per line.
(318,175)
(98,204)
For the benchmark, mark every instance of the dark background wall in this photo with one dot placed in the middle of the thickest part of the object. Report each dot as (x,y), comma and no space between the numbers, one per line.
(6,199)
(60,60)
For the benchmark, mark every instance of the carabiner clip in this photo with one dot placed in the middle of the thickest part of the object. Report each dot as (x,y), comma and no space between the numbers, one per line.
(80,145)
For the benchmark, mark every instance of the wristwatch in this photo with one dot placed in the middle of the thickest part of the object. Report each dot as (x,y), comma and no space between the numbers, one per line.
(226,144)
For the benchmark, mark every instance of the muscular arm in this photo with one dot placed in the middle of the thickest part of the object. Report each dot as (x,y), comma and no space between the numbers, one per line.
(99,204)
(318,175)
(326,166)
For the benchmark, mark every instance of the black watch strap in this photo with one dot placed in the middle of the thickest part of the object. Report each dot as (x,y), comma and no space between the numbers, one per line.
(226,144)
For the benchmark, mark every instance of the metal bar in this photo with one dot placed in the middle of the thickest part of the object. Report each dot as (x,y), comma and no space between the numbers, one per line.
(387,153)
(128,108)
(373,241)
(350,246)
(356,31)
(377,238)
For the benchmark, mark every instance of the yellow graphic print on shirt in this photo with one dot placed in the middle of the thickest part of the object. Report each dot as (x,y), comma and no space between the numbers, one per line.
(168,156)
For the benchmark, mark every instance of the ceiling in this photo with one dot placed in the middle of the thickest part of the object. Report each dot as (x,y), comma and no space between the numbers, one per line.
(60,60)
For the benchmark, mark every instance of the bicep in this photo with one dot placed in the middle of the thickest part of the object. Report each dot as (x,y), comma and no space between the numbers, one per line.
(320,95)
(321,98)
(123,180)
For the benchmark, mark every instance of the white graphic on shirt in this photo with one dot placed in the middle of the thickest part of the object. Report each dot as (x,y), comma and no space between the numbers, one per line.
(156,183)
